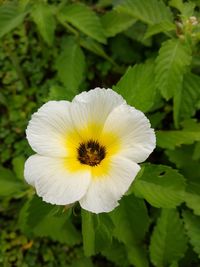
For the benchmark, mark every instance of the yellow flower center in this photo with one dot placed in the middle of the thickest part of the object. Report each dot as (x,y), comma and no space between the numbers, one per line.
(91,153)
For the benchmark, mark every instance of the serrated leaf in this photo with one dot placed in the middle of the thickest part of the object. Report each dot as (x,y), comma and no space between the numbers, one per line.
(148,11)
(71,65)
(116,253)
(130,220)
(9,184)
(160,185)
(42,14)
(186,8)
(171,64)
(43,220)
(164,26)
(168,241)
(186,99)
(137,256)
(192,223)
(10,17)
(84,19)
(114,22)
(137,86)
(176,138)
(100,234)
(192,197)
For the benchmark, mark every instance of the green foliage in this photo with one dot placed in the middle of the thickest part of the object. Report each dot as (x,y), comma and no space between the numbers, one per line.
(160,185)
(148,11)
(43,17)
(138,86)
(192,227)
(188,135)
(71,65)
(174,57)
(84,19)
(146,50)
(10,17)
(168,241)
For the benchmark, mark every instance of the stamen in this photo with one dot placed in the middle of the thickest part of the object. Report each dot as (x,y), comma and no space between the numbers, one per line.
(91,153)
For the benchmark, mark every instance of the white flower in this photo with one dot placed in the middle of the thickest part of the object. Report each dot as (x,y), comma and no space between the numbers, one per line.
(87,150)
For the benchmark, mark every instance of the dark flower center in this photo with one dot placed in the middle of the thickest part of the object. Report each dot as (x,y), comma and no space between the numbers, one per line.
(91,153)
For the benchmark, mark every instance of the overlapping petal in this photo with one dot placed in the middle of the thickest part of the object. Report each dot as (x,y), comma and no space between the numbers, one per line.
(58,128)
(105,191)
(53,182)
(134,131)
(48,127)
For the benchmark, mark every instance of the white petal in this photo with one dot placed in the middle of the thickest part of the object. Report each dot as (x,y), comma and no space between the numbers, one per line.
(47,128)
(105,191)
(134,131)
(96,106)
(53,182)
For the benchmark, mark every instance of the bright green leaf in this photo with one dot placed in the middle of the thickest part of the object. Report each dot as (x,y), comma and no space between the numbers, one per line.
(115,22)
(137,256)
(168,241)
(186,99)
(9,184)
(160,185)
(171,64)
(148,11)
(18,166)
(164,26)
(192,223)
(137,86)
(44,220)
(71,65)
(84,19)
(175,138)
(43,17)
(130,220)
(10,18)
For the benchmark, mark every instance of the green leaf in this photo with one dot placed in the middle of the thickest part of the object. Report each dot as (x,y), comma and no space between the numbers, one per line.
(114,22)
(160,185)
(88,233)
(18,166)
(44,220)
(172,139)
(57,92)
(137,256)
(71,65)
(116,253)
(130,220)
(164,26)
(100,234)
(84,19)
(10,17)
(137,86)
(148,11)
(9,184)
(131,223)
(192,197)
(192,223)
(186,8)
(42,14)
(171,64)
(186,99)
(168,241)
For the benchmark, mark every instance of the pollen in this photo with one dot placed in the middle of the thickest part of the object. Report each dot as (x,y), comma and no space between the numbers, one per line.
(91,153)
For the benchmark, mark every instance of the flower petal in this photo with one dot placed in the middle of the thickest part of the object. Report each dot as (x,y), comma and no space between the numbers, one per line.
(105,191)
(47,128)
(93,107)
(134,131)
(53,182)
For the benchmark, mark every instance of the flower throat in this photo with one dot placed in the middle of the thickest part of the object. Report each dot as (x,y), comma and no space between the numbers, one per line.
(91,153)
